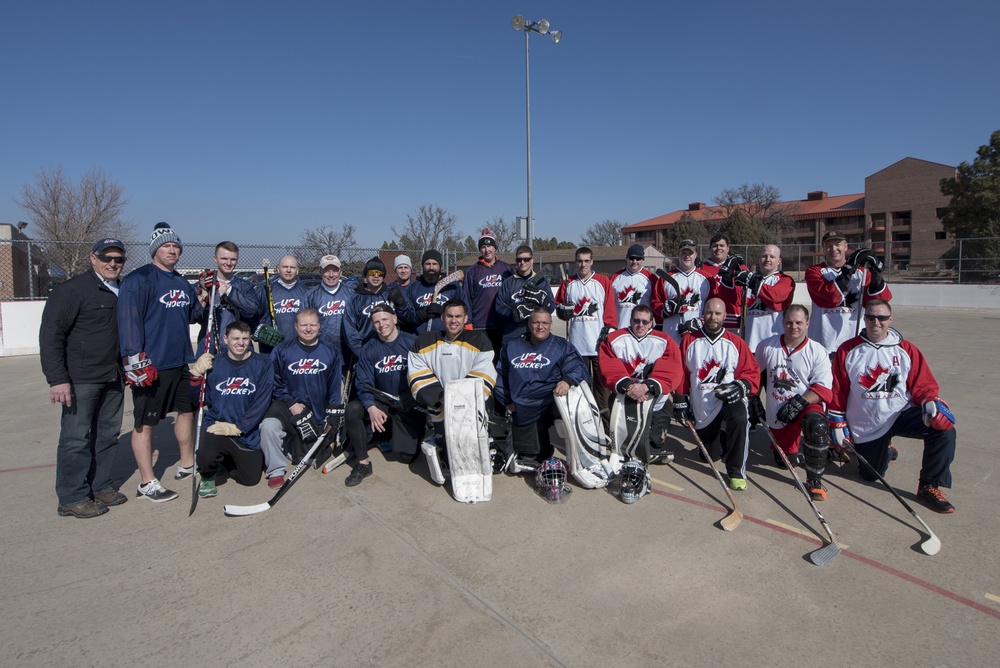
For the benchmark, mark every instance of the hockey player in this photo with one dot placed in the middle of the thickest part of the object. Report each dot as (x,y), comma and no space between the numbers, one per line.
(371,290)
(722,270)
(883,387)
(307,380)
(289,295)
(639,363)
(403,268)
(586,301)
(718,255)
(534,369)
(766,293)
(235,299)
(684,292)
(237,396)
(520,294)
(80,317)
(390,413)
(156,306)
(720,372)
(797,382)
(837,286)
(438,357)
(425,305)
(329,299)
(633,285)
(482,284)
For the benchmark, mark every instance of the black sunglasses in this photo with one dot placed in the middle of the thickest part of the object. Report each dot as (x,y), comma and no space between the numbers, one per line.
(880,318)
(637,321)
(524,259)
(117,259)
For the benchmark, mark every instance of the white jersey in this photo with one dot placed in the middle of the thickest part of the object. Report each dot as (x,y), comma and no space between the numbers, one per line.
(593,308)
(630,290)
(766,308)
(693,288)
(709,363)
(792,372)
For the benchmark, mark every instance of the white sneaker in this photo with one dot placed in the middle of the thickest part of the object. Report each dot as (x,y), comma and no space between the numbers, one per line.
(183,472)
(155,492)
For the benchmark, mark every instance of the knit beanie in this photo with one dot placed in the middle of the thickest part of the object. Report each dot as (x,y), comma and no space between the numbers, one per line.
(162,234)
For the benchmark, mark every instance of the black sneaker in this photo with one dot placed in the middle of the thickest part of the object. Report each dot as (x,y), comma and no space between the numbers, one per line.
(110,497)
(155,492)
(83,509)
(659,454)
(932,497)
(358,473)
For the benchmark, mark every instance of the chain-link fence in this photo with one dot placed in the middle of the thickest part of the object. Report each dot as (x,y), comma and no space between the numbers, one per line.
(30,268)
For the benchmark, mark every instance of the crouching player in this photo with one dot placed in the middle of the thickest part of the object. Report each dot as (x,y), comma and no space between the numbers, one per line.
(237,396)
(797,380)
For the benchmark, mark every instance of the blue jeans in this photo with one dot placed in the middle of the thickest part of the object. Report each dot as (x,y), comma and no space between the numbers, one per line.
(88,441)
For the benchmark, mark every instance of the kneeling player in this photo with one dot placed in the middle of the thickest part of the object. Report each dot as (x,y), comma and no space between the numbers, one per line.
(798,380)
(237,396)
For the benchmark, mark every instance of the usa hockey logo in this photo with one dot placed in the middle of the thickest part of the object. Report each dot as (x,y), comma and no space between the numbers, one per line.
(531,361)
(880,383)
(236,385)
(175,299)
(367,311)
(288,306)
(391,363)
(307,367)
(711,373)
(585,307)
(334,307)
(491,281)
(630,295)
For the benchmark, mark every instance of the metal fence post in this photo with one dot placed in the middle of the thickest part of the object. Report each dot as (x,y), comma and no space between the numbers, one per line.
(31,278)
(960,260)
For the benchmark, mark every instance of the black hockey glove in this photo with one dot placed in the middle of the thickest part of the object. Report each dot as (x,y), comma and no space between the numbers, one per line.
(732,392)
(672,306)
(844,280)
(874,264)
(791,409)
(682,409)
(756,409)
(533,293)
(689,326)
(397,298)
(334,414)
(750,280)
(523,311)
(306,426)
(876,285)
(607,329)
(860,257)
(565,311)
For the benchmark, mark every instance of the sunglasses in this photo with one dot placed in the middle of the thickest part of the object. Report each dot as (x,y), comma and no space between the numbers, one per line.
(374,272)
(635,259)
(637,321)
(117,259)
(524,259)
(880,318)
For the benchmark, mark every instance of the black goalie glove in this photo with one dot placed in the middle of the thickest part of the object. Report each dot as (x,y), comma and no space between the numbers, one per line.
(756,409)
(732,392)
(306,426)
(791,409)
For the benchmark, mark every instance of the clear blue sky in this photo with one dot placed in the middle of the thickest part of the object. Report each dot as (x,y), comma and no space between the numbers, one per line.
(256,120)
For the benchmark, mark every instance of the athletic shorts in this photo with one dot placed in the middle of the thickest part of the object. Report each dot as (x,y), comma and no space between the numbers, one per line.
(167,395)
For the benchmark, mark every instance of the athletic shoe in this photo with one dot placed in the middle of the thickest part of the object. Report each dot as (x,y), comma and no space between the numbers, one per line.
(658,454)
(893,454)
(816,489)
(274,482)
(737,484)
(207,488)
(796,459)
(934,498)
(358,473)
(155,492)
(183,472)
(83,509)
(110,497)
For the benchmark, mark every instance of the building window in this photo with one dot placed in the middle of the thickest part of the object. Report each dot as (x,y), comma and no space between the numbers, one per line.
(940,235)
(941,212)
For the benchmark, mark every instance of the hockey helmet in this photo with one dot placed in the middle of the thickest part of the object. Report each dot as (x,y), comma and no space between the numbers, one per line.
(550,481)
(633,481)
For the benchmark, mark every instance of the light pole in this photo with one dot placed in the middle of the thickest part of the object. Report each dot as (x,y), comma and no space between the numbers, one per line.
(542,28)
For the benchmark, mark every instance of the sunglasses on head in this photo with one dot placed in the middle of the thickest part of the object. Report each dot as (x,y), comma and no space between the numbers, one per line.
(880,318)
(639,321)
(117,259)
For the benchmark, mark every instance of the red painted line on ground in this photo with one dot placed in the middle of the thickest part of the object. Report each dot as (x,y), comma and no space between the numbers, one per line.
(850,554)
(27,468)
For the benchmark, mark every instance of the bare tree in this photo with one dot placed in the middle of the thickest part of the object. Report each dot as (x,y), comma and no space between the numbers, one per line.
(755,205)
(324,240)
(429,226)
(505,233)
(73,216)
(608,232)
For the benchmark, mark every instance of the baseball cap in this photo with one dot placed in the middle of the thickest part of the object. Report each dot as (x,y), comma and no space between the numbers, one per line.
(834,235)
(636,250)
(329,261)
(105,244)
(687,244)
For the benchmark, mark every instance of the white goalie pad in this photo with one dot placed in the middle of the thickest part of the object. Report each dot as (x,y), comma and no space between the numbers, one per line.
(466,428)
(630,428)
(430,449)
(587,445)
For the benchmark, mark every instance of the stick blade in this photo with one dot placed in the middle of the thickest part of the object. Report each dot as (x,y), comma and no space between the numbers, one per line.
(931,546)
(240,511)
(825,554)
(732,520)
(335,462)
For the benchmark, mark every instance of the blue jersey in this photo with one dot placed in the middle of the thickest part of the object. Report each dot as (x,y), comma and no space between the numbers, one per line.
(331,306)
(420,295)
(527,374)
(511,294)
(240,303)
(358,328)
(482,284)
(239,392)
(307,375)
(384,365)
(287,303)
(155,309)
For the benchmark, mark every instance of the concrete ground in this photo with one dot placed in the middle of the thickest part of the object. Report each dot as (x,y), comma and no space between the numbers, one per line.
(394,572)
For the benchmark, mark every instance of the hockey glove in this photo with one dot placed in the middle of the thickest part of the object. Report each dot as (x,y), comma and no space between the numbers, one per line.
(860,257)
(607,329)
(533,293)
(565,311)
(839,432)
(202,364)
(672,306)
(139,370)
(223,429)
(682,409)
(874,264)
(523,311)
(206,279)
(269,336)
(937,415)
(750,280)
(791,409)
(334,414)
(732,392)
(756,409)
(689,326)
(306,426)
(727,275)
(876,285)
(397,298)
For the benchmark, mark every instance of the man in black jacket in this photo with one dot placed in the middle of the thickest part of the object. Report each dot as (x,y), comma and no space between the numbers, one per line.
(78,342)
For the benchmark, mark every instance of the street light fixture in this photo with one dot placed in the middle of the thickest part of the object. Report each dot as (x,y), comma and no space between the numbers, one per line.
(542,28)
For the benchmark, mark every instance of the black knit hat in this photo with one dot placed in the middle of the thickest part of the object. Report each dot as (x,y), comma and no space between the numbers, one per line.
(432,255)
(375,263)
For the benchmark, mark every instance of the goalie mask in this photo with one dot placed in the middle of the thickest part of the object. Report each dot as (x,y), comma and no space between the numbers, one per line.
(633,481)
(550,481)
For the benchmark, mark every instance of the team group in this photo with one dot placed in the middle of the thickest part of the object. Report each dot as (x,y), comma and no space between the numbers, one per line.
(722,343)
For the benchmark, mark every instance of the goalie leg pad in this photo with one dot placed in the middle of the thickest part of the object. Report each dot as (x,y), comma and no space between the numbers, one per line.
(430,450)
(815,441)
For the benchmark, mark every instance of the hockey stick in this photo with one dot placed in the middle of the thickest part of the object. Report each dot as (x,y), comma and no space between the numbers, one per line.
(930,546)
(827,553)
(201,399)
(238,511)
(269,335)
(861,304)
(453,277)
(391,400)
(733,519)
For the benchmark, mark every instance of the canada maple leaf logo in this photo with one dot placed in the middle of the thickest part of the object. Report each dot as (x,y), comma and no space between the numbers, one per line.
(629,295)
(784,382)
(712,372)
(879,379)
(586,306)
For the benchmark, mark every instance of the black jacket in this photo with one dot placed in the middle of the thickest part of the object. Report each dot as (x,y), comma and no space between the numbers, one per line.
(78,338)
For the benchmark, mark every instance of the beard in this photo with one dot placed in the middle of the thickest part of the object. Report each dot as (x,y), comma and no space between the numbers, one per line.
(432,276)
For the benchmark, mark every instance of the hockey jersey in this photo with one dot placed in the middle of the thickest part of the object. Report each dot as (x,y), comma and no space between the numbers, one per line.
(331,304)
(358,328)
(625,357)
(288,301)
(239,303)
(511,294)
(527,374)
(836,314)
(308,375)
(874,382)
(731,297)
(239,392)
(155,310)
(709,363)
(630,290)
(434,361)
(384,365)
(792,372)
(482,284)
(765,308)
(692,288)
(420,295)
(594,308)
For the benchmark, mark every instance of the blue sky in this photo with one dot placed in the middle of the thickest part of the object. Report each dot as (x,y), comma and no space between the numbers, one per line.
(257,120)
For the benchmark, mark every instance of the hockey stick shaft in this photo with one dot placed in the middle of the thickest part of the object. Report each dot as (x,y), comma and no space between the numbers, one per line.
(823,557)
(453,277)
(733,519)
(201,399)
(861,303)
(933,543)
